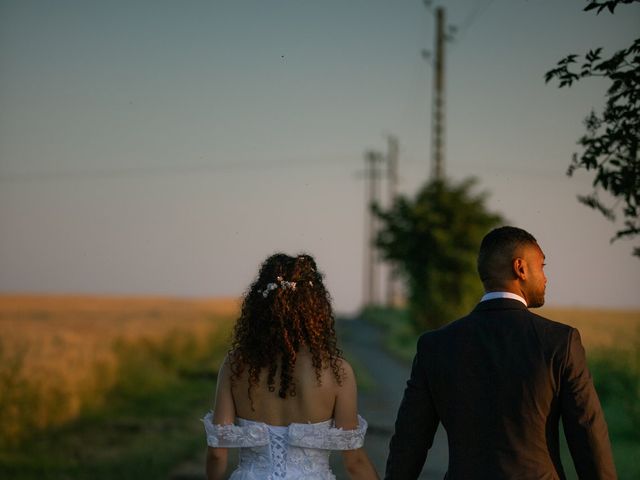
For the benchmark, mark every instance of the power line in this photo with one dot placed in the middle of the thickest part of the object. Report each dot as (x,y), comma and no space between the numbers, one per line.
(127,172)
(479,9)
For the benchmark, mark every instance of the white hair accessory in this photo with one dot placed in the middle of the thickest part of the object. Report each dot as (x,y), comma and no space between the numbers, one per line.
(291,285)
(273,286)
(270,286)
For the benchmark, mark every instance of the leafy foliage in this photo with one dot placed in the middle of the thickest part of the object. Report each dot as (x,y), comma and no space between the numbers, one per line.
(433,240)
(610,5)
(610,144)
(617,376)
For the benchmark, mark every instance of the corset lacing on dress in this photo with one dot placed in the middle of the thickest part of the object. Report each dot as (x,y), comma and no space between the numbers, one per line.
(300,450)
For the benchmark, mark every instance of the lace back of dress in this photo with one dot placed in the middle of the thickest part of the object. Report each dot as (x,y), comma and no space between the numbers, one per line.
(278,441)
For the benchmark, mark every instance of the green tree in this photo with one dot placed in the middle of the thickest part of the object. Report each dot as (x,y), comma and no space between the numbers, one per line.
(610,144)
(433,241)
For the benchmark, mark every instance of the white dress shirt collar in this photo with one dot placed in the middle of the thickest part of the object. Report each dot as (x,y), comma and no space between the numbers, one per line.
(492,295)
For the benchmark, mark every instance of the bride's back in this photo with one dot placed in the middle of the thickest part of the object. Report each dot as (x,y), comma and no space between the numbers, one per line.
(313,401)
(284,369)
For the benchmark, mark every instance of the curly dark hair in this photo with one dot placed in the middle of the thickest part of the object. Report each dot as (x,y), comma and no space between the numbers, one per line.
(285,308)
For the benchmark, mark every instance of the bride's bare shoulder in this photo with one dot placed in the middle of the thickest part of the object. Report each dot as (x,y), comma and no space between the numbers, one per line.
(338,372)
(346,371)
(231,364)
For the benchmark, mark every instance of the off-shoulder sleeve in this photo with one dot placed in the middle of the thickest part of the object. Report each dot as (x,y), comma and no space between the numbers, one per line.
(327,437)
(230,436)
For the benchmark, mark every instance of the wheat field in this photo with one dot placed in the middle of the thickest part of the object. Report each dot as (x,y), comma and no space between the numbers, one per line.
(599,327)
(60,355)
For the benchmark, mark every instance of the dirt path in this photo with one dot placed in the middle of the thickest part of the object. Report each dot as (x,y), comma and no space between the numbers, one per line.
(378,404)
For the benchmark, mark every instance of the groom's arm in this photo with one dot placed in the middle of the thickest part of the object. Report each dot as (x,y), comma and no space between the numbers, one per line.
(584,424)
(416,424)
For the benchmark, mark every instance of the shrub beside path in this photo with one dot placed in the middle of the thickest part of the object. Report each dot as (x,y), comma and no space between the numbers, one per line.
(378,403)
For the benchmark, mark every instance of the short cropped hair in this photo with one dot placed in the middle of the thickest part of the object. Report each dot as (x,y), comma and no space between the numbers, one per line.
(498,247)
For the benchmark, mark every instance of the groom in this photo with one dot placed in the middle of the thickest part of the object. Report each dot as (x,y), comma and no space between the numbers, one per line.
(500,379)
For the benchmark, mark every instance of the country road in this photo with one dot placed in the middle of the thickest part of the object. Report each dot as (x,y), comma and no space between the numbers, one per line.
(362,342)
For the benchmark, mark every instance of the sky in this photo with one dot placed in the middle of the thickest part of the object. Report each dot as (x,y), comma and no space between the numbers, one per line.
(167,148)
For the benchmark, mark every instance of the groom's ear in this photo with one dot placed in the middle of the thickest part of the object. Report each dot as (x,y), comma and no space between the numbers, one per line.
(520,268)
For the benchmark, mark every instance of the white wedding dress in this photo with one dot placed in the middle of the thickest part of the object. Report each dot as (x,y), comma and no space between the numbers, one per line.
(297,451)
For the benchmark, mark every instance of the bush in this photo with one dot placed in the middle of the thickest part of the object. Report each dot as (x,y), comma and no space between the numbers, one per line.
(616,374)
(433,240)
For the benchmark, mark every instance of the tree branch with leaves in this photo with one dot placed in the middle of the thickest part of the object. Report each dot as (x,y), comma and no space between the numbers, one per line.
(610,144)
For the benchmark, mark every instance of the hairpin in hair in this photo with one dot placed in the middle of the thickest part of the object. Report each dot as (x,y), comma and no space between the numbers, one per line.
(273,286)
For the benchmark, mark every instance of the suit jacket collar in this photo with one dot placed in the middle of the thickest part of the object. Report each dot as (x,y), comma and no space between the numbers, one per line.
(500,304)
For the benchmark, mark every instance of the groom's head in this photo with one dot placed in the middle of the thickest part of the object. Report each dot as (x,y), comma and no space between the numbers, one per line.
(511,260)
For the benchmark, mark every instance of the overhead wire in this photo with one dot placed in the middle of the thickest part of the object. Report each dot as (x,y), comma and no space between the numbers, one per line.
(480,8)
(155,170)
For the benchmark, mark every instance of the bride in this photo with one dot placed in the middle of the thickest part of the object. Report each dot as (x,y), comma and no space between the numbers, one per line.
(285,396)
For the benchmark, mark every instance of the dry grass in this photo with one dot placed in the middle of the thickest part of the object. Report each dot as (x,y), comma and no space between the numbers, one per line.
(599,328)
(59,354)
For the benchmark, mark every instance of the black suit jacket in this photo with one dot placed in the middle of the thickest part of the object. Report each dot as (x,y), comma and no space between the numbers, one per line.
(500,380)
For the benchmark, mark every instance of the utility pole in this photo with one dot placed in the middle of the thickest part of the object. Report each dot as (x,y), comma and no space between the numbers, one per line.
(437,134)
(392,166)
(392,180)
(372,160)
